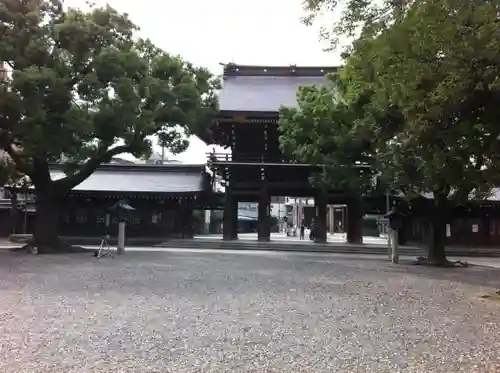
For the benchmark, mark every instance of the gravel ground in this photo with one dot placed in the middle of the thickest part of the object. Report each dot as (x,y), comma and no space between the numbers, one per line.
(205,312)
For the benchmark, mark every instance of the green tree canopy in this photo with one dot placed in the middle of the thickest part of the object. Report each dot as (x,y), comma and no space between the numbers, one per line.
(83,86)
(172,139)
(437,71)
(353,19)
(321,131)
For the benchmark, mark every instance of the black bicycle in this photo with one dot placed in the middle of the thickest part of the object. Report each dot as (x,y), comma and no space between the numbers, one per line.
(104,248)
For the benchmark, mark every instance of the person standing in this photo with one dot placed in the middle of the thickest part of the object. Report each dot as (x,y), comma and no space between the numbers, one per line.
(302,230)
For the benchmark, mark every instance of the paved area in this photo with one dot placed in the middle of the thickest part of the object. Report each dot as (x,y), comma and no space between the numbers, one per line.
(6,244)
(178,311)
(282,237)
(476,261)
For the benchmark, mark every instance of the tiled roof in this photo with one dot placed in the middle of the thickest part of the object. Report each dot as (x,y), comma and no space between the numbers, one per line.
(266,89)
(169,179)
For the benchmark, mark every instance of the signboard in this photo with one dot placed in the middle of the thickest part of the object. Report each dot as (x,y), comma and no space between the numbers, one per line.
(475,228)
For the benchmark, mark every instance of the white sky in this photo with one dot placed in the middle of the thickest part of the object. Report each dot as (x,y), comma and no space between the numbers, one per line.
(207,32)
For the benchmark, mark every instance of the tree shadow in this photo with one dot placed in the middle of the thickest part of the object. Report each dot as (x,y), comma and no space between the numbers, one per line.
(473,275)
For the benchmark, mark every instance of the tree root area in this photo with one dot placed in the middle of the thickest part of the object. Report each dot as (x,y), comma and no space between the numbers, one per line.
(495,296)
(59,247)
(424,261)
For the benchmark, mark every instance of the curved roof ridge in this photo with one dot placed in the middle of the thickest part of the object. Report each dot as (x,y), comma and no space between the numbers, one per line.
(232,69)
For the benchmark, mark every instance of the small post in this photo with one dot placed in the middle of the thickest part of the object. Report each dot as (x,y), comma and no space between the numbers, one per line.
(389,242)
(25,209)
(394,246)
(121,238)
(208,219)
(387,227)
(120,207)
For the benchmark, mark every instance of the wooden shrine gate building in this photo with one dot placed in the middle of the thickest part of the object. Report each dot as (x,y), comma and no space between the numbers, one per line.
(255,170)
(250,100)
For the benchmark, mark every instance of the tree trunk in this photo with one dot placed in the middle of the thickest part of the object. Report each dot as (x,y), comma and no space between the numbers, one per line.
(439,218)
(14,213)
(46,237)
(403,231)
(355,215)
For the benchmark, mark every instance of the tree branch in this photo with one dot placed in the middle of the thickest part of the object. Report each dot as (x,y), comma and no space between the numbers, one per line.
(10,64)
(103,155)
(80,73)
(461,195)
(20,163)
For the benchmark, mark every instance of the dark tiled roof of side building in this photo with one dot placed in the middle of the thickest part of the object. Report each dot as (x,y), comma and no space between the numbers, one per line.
(166,179)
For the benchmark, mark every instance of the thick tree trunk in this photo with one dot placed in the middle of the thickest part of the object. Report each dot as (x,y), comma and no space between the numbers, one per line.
(50,195)
(403,231)
(439,218)
(46,235)
(355,220)
(14,213)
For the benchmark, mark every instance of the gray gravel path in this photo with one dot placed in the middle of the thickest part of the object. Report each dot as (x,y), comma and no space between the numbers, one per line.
(205,312)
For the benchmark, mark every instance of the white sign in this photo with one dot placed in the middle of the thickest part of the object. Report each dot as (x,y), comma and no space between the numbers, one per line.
(475,228)
(448,230)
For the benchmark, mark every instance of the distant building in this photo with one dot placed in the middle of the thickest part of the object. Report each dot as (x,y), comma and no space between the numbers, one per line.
(3,71)
(119,160)
(156,158)
(164,198)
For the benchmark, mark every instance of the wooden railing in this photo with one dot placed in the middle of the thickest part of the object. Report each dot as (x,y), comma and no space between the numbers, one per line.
(258,159)
(214,158)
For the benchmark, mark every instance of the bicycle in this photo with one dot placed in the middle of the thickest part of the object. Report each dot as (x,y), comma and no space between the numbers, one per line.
(104,248)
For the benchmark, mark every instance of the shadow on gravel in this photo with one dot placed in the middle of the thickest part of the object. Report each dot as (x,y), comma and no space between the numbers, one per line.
(472,275)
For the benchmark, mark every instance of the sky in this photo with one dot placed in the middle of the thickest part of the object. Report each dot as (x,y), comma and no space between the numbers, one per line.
(210,32)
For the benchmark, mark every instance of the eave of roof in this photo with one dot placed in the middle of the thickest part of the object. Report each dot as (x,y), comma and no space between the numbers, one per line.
(167,179)
(142,167)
